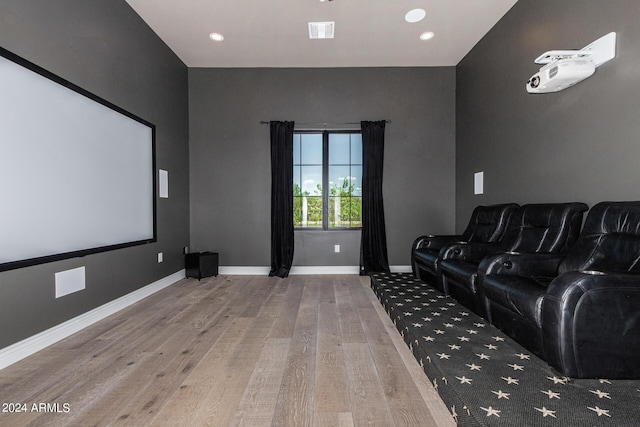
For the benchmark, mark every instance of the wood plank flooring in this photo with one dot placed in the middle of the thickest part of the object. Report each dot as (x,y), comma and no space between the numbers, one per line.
(231,351)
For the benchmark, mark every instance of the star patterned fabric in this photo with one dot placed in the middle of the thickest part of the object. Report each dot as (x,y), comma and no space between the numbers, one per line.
(487,379)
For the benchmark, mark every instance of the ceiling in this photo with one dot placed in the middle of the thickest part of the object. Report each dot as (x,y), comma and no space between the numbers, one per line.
(274,33)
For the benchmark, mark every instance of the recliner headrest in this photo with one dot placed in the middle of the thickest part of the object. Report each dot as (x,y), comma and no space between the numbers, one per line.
(543,227)
(488,223)
(610,240)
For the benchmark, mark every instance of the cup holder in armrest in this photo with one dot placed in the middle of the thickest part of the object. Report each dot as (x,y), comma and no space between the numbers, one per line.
(456,250)
(593,272)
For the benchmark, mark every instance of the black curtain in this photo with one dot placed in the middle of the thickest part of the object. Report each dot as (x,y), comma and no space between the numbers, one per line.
(373,244)
(281,198)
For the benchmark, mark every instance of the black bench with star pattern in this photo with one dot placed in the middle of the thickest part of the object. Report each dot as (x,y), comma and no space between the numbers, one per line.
(484,377)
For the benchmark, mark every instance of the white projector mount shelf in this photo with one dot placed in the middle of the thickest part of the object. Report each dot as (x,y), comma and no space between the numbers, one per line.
(599,52)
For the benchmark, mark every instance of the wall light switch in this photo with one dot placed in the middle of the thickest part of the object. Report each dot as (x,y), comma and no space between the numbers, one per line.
(160,257)
(336,248)
(478,183)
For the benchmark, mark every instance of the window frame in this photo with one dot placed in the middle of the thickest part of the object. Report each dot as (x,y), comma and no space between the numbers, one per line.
(325,178)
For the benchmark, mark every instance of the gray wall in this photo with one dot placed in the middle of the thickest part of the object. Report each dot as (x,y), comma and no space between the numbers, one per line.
(105,48)
(579,144)
(230,163)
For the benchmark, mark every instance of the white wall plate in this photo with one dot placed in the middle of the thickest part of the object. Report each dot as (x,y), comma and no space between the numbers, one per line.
(604,49)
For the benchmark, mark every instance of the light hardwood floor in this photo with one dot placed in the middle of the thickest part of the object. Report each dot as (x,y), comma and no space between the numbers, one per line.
(231,351)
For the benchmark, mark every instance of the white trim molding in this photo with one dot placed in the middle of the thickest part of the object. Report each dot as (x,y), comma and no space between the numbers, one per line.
(304,269)
(243,271)
(319,269)
(18,351)
(400,268)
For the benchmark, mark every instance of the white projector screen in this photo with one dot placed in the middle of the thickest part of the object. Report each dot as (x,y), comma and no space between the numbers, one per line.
(76,172)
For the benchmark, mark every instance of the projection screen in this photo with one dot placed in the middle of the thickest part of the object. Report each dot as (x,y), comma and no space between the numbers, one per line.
(76,172)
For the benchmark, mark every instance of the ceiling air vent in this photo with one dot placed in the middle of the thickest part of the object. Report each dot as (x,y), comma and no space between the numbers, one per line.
(321,30)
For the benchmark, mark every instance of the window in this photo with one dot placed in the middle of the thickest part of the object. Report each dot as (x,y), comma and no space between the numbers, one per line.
(327,179)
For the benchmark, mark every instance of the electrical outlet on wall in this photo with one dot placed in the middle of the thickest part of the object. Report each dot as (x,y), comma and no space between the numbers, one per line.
(160,257)
(336,248)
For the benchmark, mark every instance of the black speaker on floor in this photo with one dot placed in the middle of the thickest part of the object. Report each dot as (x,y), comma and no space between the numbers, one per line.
(201,264)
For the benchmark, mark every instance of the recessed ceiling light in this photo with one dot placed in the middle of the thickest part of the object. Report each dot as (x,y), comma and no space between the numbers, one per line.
(426,36)
(216,37)
(415,15)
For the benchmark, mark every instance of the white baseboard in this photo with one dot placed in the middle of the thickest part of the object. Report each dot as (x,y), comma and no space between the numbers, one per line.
(304,269)
(243,271)
(329,269)
(20,350)
(400,268)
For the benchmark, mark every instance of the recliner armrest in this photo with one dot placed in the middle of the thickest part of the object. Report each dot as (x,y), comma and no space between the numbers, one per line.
(467,251)
(522,264)
(431,243)
(572,285)
(591,324)
(434,242)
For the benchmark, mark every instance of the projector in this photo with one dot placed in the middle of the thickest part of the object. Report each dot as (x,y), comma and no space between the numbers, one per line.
(560,74)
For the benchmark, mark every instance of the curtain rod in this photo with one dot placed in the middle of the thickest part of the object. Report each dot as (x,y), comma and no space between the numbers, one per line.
(263,122)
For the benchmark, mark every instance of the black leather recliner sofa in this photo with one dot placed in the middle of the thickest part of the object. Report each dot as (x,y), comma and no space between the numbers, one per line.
(486,225)
(533,228)
(580,312)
